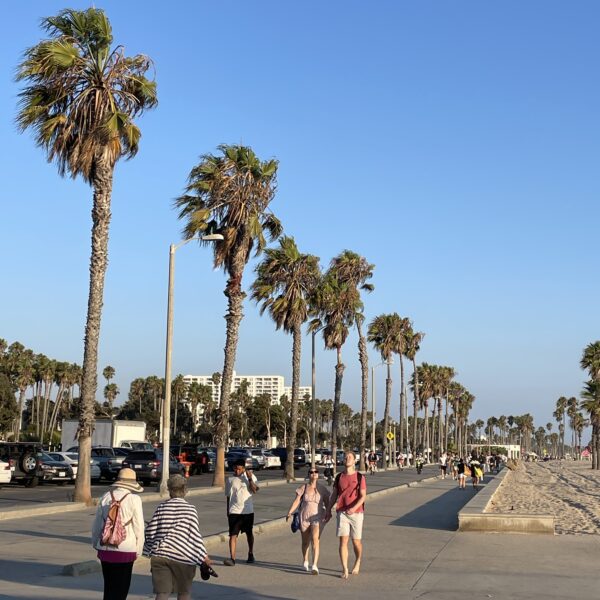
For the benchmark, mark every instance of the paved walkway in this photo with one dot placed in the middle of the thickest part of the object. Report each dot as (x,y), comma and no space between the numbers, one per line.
(412,550)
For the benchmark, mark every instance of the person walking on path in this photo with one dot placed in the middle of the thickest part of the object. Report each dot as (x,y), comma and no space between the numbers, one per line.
(349,493)
(312,501)
(372,460)
(460,473)
(443,465)
(239,490)
(117,561)
(174,544)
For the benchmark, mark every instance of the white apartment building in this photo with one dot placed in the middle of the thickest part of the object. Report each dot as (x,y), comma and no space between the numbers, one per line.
(273,385)
(304,390)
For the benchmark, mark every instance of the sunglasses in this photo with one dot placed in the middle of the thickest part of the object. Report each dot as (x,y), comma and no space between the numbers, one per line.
(313,472)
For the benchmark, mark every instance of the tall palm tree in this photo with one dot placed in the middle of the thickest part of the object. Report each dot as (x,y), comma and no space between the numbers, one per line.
(405,333)
(572,406)
(590,360)
(80,98)
(559,415)
(356,270)
(334,306)
(108,373)
(384,332)
(591,404)
(178,388)
(285,279)
(230,194)
(413,345)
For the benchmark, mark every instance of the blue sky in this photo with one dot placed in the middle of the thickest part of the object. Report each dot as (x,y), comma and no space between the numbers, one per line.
(454,145)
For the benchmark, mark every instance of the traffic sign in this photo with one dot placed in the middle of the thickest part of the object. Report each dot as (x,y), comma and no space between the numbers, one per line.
(390,436)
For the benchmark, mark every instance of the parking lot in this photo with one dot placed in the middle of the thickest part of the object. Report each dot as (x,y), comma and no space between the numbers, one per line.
(17,495)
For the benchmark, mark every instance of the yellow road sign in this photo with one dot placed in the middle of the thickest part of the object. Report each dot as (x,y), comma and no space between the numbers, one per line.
(390,436)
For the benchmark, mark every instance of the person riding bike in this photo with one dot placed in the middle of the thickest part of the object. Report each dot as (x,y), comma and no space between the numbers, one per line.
(372,460)
(419,462)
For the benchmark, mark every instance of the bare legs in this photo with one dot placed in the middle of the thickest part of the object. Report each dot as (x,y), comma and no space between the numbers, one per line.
(183,596)
(310,537)
(357,545)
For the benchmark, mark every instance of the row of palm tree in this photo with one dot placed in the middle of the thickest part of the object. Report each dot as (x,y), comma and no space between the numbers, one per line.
(80,98)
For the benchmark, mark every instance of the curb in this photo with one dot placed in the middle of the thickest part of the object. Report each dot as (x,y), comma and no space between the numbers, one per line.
(93,566)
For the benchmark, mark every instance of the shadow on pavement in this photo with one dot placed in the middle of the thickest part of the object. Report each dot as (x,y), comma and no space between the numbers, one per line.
(440,513)
(92,585)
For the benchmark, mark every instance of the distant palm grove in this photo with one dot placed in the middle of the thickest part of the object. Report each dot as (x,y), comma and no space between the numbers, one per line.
(80,97)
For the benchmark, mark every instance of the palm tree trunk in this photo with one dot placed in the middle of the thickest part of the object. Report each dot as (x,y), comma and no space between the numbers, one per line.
(235,297)
(440,427)
(20,417)
(446,425)
(364,371)
(415,407)
(426,430)
(339,374)
(102,184)
(296,353)
(403,412)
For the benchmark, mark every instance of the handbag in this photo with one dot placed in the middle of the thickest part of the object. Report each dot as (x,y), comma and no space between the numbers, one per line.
(295,524)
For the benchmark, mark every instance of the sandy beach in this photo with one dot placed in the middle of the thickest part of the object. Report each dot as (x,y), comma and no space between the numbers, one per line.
(569,490)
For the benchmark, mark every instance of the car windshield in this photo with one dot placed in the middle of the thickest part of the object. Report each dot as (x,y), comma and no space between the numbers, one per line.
(72,455)
(46,456)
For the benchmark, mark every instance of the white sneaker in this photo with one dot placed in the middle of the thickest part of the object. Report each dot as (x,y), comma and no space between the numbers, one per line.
(315,570)
(305,565)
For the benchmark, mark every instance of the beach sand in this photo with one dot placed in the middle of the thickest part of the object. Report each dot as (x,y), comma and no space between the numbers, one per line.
(569,490)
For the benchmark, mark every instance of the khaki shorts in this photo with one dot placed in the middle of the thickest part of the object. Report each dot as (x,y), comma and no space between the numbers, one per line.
(170,576)
(350,525)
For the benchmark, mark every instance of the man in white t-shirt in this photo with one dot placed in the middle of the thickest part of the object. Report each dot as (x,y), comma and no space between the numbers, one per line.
(240,509)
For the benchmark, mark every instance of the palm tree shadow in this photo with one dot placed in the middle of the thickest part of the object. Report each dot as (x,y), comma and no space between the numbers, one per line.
(441,513)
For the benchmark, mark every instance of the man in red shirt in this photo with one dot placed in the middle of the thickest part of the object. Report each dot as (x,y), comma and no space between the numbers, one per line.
(349,493)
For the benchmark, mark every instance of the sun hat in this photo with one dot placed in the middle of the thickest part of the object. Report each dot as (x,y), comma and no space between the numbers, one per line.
(127,480)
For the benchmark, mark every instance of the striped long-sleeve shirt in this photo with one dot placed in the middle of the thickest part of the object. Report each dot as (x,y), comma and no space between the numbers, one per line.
(174,533)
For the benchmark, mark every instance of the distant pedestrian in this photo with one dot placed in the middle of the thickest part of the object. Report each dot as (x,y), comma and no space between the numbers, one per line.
(443,464)
(239,490)
(174,544)
(372,460)
(349,493)
(460,473)
(117,561)
(312,502)
(476,472)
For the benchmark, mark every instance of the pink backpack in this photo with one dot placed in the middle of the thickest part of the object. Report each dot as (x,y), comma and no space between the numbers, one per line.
(114,532)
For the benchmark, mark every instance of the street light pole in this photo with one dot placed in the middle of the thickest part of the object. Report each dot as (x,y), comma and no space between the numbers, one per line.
(166,416)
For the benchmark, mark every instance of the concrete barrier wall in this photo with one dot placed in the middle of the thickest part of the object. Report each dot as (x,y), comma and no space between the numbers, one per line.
(474,518)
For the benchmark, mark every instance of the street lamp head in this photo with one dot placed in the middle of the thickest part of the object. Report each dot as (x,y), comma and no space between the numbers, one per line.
(212,237)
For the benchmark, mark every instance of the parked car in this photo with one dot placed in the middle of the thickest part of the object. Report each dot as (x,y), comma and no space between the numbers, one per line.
(271,461)
(56,470)
(340,457)
(299,457)
(147,465)
(95,472)
(5,471)
(24,460)
(259,454)
(232,457)
(70,458)
(135,445)
(110,464)
(246,453)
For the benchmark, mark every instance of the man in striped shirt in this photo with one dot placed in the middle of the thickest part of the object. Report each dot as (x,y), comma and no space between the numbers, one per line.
(174,544)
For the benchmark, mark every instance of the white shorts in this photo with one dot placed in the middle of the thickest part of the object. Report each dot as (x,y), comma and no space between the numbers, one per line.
(350,525)
(461,475)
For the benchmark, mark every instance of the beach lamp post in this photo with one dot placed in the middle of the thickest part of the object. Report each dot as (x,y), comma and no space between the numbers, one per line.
(166,416)
(373,419)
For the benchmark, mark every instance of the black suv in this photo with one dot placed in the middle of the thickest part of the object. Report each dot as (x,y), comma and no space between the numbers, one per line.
(25,458)
(147,465)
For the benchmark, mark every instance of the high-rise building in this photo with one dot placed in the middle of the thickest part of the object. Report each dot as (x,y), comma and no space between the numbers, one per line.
(273,385)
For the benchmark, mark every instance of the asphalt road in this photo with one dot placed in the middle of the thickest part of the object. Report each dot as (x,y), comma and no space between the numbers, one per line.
(14,494)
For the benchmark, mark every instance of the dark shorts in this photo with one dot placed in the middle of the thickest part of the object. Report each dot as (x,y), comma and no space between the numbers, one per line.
(171,576)
(240,524)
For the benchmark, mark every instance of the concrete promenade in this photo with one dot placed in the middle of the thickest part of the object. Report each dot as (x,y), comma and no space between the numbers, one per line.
(412,550)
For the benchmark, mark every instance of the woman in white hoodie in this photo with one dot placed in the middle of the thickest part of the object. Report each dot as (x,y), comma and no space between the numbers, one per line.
(117,561)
